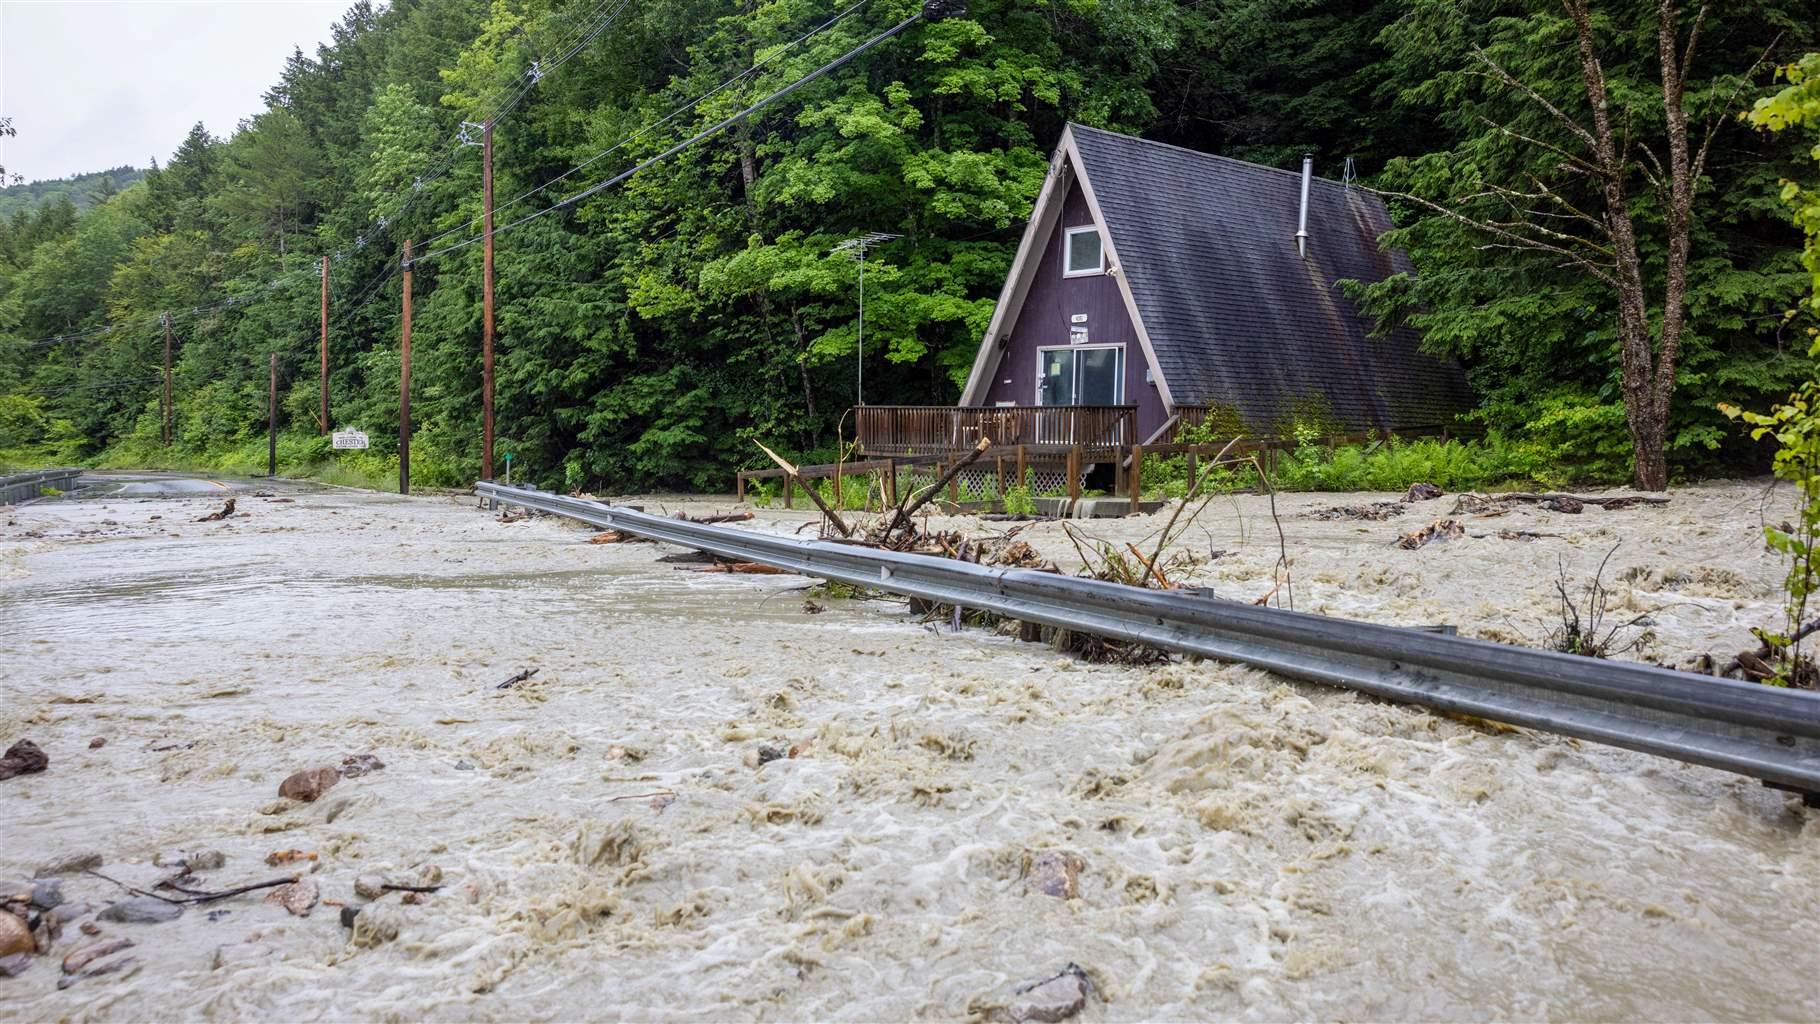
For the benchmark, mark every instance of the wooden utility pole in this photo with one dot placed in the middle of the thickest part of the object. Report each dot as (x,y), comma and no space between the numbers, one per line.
(486,302)
(167,380)
(404,383)
(271,416)
(325,346)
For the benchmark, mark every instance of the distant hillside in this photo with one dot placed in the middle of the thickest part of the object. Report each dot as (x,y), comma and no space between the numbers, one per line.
(82,189)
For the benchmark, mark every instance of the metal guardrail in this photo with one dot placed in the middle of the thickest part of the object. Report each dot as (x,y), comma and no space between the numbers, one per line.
(1764,732)
(26,486)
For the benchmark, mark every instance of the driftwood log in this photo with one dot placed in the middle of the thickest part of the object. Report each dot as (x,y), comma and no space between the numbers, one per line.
(1612,501)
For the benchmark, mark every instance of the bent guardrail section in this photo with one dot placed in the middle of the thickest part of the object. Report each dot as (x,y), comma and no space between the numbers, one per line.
(24,487)
(1764,732)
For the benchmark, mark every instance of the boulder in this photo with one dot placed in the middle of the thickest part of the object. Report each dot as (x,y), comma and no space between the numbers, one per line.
(360,764)
(70,864)
(309,784)
(15,937)
(1057,873)
(142,910)
(23,758)
(1050,1000)
(299,897)
(47,893)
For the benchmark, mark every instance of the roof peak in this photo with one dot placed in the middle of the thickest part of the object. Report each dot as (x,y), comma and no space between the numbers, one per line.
(1296,174)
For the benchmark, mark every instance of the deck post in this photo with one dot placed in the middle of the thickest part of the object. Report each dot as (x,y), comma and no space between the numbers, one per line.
(788,497)
(1074,473)
(1001,477)
(954,484)
(1194,469)
(1022,466)
(739,485)
(1136,478)
(891,480)
(837,476)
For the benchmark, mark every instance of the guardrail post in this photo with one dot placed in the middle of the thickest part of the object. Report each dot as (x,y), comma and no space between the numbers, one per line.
(1136,478)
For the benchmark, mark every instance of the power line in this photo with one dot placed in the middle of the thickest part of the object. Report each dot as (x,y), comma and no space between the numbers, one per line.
(712,130)
(52,391)
(678,111)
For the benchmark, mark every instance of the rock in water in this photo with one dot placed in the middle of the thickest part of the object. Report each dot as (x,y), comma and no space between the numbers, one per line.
(369,887)
(70,864)
(360,764)
(47,893)
(309,784)
(199,860)
(1053,999)
(298,897)
(1422,492)
(80,958)
(15,937)
(142,910)
(240,953)
(97,743)
(1057,873)
(23,758)
(15,965)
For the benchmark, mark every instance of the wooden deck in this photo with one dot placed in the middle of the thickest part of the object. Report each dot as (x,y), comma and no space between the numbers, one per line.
(932,429)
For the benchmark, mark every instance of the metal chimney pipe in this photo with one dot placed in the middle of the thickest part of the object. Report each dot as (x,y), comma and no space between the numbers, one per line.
(1301,234)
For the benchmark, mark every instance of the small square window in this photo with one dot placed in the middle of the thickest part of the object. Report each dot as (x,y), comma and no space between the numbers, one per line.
(1083,253)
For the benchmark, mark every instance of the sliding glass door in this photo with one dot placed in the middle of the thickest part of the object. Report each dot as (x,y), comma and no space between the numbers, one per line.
(1082,375)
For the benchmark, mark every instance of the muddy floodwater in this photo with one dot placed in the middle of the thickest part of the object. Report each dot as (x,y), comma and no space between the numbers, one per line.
(609,846)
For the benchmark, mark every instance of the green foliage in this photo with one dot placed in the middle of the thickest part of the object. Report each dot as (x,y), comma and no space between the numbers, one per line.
(1526,324)
(1018,501)
(648,334)
(1795,427)
(81,191)
(1794,424)
(1394,465)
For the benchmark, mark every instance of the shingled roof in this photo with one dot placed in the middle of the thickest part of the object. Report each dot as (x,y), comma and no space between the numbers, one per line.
(1234,315)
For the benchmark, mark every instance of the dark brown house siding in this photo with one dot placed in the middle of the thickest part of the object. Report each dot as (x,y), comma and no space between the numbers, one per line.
(1045,321)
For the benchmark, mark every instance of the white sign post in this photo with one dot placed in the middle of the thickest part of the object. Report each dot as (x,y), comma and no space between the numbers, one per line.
(348,439)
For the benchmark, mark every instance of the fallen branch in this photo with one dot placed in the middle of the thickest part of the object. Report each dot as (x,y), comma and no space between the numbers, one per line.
(215,517)
(200,897)
(519,678)
(744,568)
(903,515)
(730,517)
(814,495)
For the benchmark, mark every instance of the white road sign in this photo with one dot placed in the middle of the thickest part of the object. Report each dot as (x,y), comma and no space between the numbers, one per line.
(349,439)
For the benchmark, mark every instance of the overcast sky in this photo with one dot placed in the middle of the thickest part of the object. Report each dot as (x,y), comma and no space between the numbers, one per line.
(93,84)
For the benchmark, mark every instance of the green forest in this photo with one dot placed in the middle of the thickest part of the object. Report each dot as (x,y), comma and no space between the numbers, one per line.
(1610,255)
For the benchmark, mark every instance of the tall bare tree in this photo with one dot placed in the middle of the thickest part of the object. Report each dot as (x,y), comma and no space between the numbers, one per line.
(1607,174)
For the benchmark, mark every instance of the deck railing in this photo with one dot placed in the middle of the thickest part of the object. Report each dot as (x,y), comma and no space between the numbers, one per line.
(924,429)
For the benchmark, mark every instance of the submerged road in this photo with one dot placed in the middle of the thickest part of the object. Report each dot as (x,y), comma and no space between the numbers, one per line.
(953,814)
